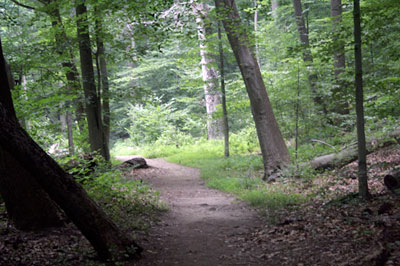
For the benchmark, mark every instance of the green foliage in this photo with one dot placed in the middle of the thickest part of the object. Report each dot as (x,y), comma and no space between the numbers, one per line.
(159,123)
(132,204)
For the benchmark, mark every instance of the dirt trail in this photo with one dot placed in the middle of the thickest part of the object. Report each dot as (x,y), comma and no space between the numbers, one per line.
(202,226)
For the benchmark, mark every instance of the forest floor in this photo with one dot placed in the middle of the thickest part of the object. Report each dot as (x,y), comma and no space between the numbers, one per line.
(202,225)
(207,227)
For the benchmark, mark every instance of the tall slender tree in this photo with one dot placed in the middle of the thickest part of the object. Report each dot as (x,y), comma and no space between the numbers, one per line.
(223,91)
(104,80)
(307,55)
(209,72)
(362,151)
(339,59)
(256,32)
(273,147)
(92,101)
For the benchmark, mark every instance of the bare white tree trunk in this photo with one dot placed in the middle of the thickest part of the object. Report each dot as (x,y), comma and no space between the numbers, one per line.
(209,72)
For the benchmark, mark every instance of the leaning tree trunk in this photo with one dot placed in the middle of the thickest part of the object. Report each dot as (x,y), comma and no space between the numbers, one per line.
(362,151)
(209,73)
(28,206)
(273,148)
(92,103)
(101,232)
(307,55)
(61,187)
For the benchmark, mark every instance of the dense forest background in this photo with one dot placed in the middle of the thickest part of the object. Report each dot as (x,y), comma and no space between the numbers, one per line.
(154,73)
(162,79)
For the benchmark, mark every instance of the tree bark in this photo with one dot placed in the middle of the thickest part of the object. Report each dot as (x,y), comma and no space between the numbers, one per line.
(339,62)
(92,103)
(209,73)
(346,156)
(71,72)
(223,93)
(255,32)
(307,55)
(362,151)
(28,206)
(273,148)
(61,187)
(104,81)
(102,233)
(339,59)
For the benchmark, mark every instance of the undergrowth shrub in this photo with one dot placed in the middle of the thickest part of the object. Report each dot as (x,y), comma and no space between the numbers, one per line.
(131,204)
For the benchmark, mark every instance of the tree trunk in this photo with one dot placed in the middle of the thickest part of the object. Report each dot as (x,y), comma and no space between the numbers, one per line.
(92,104)
(71,72)
(350,154)
(28,206)
(274,8)
(71,146)
(339,62)
(273,148)
(255,31)
(362,151)
(209,73)
(101,232)
(104,81)
(223,93)
(61,187)
(339,59)
(307,55)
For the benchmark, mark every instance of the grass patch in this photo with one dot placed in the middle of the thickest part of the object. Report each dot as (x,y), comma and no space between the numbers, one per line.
(240,174)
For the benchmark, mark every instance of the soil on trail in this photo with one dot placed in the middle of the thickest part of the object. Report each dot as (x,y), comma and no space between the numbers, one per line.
(201,226)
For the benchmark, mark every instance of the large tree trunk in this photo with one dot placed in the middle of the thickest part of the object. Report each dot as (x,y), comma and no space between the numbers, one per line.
(307,55)
(61,187)
(223,92)
(273,148)
(92,103)
(28,206)
(104,82)
(209,73)
(362,151)
(101,232)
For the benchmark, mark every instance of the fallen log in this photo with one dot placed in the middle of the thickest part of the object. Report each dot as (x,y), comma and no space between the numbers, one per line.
(135,163)
(349,155)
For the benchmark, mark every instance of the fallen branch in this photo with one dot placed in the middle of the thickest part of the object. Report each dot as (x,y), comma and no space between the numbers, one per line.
(349,155)
(323,142)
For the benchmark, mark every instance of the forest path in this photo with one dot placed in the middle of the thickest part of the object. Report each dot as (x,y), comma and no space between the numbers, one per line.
(202,226)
